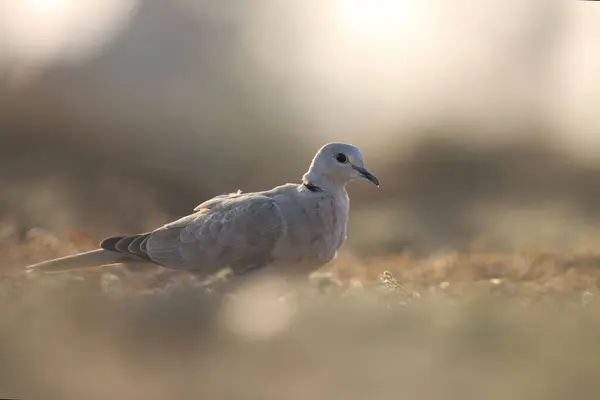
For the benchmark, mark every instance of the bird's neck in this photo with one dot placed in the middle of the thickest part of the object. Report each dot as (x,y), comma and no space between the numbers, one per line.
(322,183)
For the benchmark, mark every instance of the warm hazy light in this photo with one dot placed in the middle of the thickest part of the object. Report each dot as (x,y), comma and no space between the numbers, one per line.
(44,5)
(375,19)
(39,32)
(36,27)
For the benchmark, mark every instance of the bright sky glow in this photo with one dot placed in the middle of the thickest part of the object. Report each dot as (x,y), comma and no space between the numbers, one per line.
(376,19)
(35,33)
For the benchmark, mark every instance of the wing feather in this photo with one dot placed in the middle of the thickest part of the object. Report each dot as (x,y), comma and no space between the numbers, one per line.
(237,232)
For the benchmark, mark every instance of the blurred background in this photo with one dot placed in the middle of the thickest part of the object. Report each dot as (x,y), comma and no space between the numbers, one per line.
(481,119)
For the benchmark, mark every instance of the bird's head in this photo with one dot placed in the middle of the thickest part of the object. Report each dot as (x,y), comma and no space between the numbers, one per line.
(338,164)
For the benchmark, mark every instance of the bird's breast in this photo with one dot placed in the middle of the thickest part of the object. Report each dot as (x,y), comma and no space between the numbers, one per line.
(315,228)
(328,230)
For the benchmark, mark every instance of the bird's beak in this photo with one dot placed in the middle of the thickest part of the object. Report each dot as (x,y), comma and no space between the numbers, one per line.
(367,175)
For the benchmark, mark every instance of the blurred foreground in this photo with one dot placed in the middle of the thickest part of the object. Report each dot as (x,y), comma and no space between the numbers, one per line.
(63,339)
(446,326)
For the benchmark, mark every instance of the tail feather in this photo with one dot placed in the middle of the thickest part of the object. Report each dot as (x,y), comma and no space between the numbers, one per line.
(113,250)
(138,246)
(94,258)
(132,245)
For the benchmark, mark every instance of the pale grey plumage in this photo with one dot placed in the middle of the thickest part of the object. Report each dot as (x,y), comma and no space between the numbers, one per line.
(294,227)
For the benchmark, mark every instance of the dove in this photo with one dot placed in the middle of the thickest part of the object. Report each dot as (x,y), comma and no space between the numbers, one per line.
(292,229)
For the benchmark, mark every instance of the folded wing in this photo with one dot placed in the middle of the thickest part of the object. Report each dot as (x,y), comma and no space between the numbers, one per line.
(239,233)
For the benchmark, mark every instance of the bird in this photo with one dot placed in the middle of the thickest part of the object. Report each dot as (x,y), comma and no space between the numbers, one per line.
(293,229)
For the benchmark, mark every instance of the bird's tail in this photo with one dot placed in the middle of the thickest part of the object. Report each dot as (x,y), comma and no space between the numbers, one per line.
(88,259)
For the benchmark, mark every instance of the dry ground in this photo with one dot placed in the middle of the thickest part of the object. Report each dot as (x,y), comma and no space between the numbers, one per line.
(449,326)
(532,273)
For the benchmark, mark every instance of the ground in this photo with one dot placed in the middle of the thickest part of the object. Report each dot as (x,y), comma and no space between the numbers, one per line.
(532,274)
(446,326)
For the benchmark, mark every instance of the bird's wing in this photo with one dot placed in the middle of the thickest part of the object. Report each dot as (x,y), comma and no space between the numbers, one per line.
(240,232)
(217,199)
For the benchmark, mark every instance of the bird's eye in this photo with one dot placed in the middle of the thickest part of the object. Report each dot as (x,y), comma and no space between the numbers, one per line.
(341,158)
